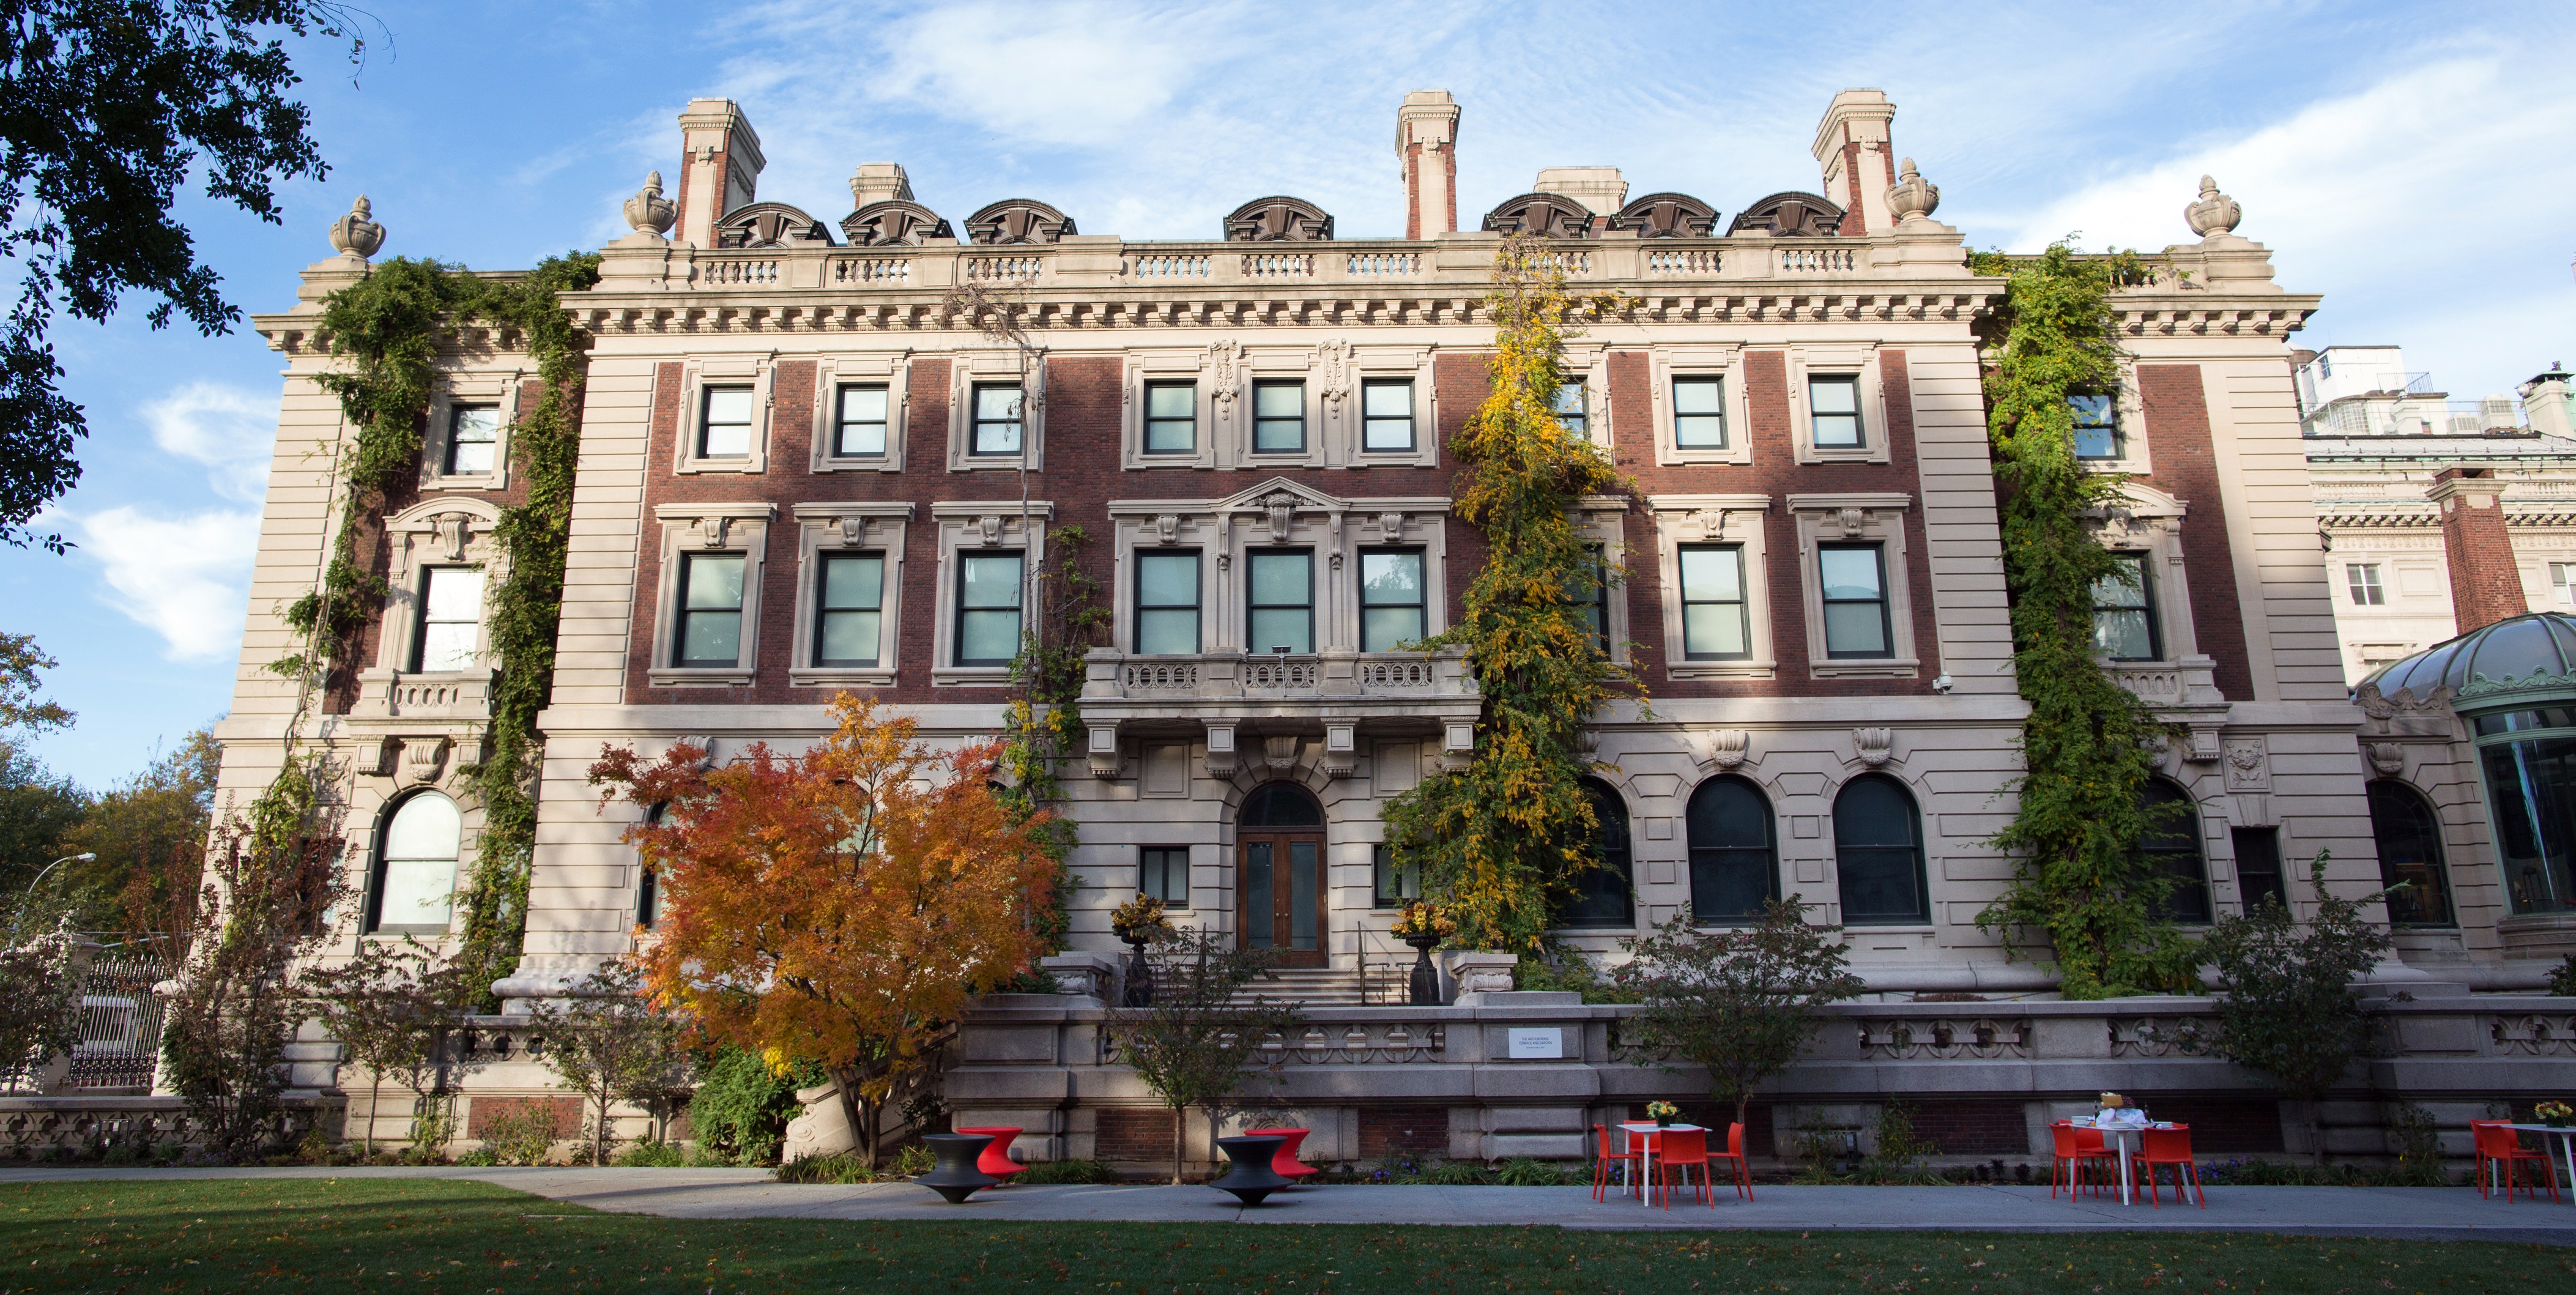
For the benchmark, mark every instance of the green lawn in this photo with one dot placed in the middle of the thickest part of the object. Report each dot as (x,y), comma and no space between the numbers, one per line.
(313,1235)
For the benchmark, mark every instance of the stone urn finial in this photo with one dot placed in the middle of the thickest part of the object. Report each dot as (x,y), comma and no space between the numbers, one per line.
(648,211)
(2214,214)
(356,235)
(1912,197)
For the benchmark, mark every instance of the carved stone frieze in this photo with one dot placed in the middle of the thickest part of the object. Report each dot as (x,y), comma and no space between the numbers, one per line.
(1666,215)
(894,223)
(771,224)
(1791,214)
(1018,221)
(1547,215)
(1278,220)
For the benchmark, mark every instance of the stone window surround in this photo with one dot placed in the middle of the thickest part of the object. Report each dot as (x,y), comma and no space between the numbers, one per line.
(1225,530)
(756,372)
(496,389)
(1224,373)
(986,366)
(2151,523)
(1927,827)
(852,527)
(1861,517)
(1589,364)
(893,369)
(735,526)
(969,525)
(1723,362)
(1859,360)
(2132,413)
(1602,519)
(1716,519)
(371,845)
(440,532)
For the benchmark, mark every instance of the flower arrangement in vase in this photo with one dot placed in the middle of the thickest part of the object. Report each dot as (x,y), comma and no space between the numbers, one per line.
(1662,1113)
(2557,1115)
(1139,919)
(1423,925)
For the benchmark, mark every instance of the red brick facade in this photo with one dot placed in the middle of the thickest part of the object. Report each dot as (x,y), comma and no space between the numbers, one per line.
(2486,581)
(2178,439)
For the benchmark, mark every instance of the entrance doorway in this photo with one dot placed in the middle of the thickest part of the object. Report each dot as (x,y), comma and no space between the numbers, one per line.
(1279,875)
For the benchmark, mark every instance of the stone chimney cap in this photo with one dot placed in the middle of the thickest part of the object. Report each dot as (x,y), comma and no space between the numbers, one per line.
(1599,188)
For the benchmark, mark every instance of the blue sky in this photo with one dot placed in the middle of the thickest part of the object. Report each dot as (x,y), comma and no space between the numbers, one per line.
(2407,161)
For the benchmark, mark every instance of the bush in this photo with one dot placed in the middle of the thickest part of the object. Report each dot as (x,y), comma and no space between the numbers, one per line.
(1898,1155)
(2562,978)
(1064,1171)
(1565,969)
(742,1107)
(913,1161)
(651,1154)
(523,1136)
(1523,1171)
(839,1168)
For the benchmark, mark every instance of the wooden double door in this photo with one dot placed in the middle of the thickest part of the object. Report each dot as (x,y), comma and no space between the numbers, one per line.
(1279,885)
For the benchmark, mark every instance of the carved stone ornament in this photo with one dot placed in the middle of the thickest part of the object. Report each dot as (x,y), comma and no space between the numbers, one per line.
(1167,527)
(1341,748)
(2215,213)
(1279,751)
(1283,514)
(854,531)
(1103,751)
(990,527)
(1727,747)
(1333,362)
(451,530)
(649,212)
(1712,522)
(1875,745)
(1220,750)
(1852,521)
(771,224)
(356,234)
(2203,747)
(1912,197)
(1225,359)
(1790,215)
(1666,215)
(2388,758)
(1390,526)
(2249,767)
(894,223)
(712,531)
(706,748)
(1547,215)
(421,758)
(1016,221)
(1278,220)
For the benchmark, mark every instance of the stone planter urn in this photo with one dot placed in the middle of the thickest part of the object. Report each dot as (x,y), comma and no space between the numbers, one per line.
(1251,1179)
(955,1176)
(1425,990)
(1139,990)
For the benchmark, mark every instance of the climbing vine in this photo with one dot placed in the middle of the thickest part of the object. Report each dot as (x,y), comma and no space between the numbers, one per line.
(1501,840)
(1043,725)
(2088,744)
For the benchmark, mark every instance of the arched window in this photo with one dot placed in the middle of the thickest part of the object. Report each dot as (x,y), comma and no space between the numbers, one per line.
(2172,843)
(1878,849)
(2410,853)
(1281,804)
(415,879)
(1602,895)
(1734,858)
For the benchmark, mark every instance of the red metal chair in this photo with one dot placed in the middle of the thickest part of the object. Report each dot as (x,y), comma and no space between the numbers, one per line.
(2170,1147)
(1286,1162)
(1604,1157)
(1735,1152)
(996,1159)
(2073,1150)
(1681,1149)
(2498,1145)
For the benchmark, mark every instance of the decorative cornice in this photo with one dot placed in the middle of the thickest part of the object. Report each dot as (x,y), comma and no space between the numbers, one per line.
(2537,681)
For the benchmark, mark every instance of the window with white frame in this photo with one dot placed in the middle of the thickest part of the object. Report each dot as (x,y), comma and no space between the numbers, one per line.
(860,421)
(988,608)
(997,424)
(2362,580)
(2562,583)
(1171,418)
(849,610)
(1852,582)
(1572,413)
(707,632)
(724,422)
(1163,872)
(2097,426)
(1278,417)
(2124,612)
(1391,604)
(1699,413)
(1714,622)
(451,610)
(1167,603)
(473,439)
(1386,416)
(1279,609)
(1394,885)
(1833,411)
(1713,595)
(414,887)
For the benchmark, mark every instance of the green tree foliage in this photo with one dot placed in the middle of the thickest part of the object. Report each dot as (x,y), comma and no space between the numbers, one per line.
(1499,841)
(611,1043)
(392,1009)
(39,1001)
(740,1110)
(20,659)
(1192,1045)
(2089,744)
(38,810)
(1043,726)
(149,833)
(1740,1001)
(106,108)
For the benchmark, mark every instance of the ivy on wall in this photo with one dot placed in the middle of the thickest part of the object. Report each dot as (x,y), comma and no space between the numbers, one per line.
(1043,725)
(2089,744)
(1501,840)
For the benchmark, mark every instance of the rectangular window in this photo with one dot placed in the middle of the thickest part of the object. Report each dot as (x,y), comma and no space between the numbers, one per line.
(473,434)
(1699,413)
(451,606)
(1713,613)
(849,616)
(988,608)
(1171,418)
(1386,415)
(2363,579)
(1163,871)
(648,898)
(1391,606)
(1396,887)
(1595,601)
(2124,612)
(1833,411)
(1282,606)
(1167,603)
(2097,427)
(2258,865)
(1853,580)
(1278,418)
(997,419)
(1572,413)
(710,628)
(2562,583)
(860,432)
(724,423)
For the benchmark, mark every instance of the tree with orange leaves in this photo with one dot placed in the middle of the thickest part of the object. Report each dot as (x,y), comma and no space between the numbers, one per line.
(837,906)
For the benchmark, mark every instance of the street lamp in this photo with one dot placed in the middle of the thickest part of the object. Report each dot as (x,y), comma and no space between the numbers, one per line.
(68,858)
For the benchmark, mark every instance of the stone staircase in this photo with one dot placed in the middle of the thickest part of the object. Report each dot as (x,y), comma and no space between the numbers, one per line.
(1331,986)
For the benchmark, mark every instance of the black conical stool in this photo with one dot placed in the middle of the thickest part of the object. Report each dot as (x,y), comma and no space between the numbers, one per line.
(1252,1178)
(955,1176)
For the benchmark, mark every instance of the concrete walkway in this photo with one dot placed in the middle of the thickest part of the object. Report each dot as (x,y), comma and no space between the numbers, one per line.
(2415,1213)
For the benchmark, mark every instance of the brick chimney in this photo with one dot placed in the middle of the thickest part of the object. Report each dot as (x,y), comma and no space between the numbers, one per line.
(720,166)
(2486,583)
(1426,138)
(1859,157)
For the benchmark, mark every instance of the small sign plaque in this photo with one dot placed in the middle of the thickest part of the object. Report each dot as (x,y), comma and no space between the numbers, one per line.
(1538,1045)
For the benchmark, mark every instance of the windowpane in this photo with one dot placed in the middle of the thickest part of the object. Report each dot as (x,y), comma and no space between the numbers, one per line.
(451,607)
(1833,405)
(1167,603)
(2097,427)
(2171,841)
(1283,602)
(1734,870)
(710,609)
(988,608)
(1391,607)
(1171,417)
(724,430)
(850,626)
(862,431)
(1602,896)
(1259,930)
(1395,886)
(472,433)
(1304,876)
(1572,413)
(2410,855)
(1163,871)
(1281,579)
(1855,604)
(1878,850)
(416,879)
(2258,866)
(1713,611)
(1387,411)
(2124,622)
(997,419)
(1278,417)
(2362,578)
(1594,599)
(1699,413)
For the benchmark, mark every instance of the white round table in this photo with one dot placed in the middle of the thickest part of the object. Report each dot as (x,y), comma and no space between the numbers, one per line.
(1646,1166)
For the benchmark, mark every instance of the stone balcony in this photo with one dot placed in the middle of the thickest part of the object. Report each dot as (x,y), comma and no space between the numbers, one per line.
(435,698)
(1283,697)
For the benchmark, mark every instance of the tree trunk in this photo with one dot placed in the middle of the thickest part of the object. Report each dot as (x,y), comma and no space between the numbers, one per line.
(375,1094)
(1176,1145)
(849,1095)
(1743,1107)
(599,1130)
(871,1131)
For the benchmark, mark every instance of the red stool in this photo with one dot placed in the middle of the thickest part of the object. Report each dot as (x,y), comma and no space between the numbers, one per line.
(996,1159)
(1286,1162)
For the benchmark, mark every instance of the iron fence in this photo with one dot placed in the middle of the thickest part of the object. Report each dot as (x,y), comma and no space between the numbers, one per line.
(120,1022)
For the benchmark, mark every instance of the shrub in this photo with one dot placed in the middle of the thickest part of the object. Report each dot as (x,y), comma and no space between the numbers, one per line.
(742,1107)
(2562,978)
(652,1154)
(522,1136)
(1897,1155)
(1523,1171)
(1064,1171)
(913,1161)
(840,1167)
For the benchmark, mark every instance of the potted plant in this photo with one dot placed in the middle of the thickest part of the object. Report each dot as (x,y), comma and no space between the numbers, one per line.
(2557,1115)
(1138,922)
(1424,926)
(1662,1113)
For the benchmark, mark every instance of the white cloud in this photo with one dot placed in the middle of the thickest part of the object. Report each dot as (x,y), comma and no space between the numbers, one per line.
(226,428)
(185,577)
